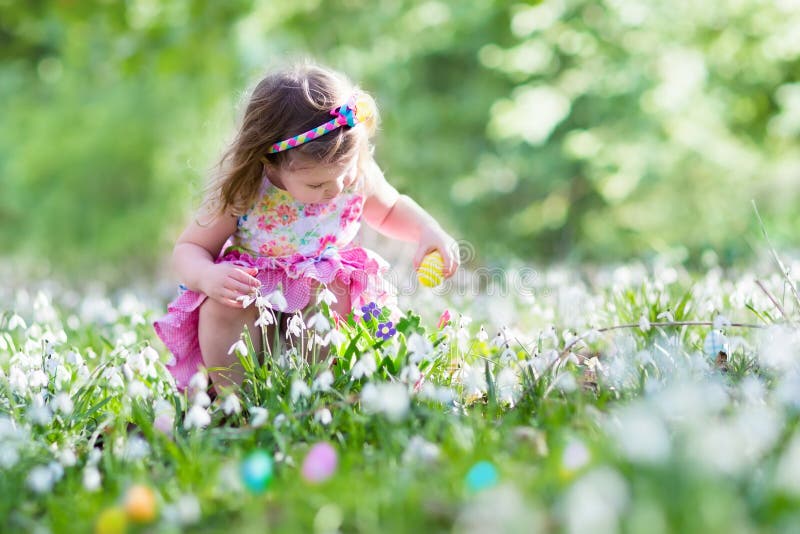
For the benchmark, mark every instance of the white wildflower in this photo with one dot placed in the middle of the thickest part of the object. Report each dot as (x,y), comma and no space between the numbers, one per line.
(62,403)
(92,480)
(295,326)
(40,479)
(365,366)
(137,390)
(323,416)
(239,347)
(323,382)
(319,322)
(231,404)
(644,323)
(482,336)
(136,448)
(419,348)
(421,451)
(326,296)
(299,389)
(258,416)
(507,385)
(197,417)
(16,322)
(390,399)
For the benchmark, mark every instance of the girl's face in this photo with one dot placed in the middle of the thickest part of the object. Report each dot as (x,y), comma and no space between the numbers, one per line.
(311,182)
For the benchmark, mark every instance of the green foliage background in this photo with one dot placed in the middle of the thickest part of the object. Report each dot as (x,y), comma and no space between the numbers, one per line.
(569,129)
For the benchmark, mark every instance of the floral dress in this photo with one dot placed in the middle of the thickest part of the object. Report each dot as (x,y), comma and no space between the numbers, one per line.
(295,247)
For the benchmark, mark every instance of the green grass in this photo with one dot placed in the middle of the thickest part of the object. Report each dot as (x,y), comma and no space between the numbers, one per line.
(631,429)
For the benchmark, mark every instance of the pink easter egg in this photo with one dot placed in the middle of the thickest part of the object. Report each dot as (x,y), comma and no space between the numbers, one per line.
(320,463)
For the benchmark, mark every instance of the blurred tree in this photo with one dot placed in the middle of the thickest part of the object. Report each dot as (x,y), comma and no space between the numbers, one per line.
(567,128)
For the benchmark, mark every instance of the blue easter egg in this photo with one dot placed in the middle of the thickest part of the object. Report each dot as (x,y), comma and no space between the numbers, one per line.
(715,343)
(256,471)
(482,475)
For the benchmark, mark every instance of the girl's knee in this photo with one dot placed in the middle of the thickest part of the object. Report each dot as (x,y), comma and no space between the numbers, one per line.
(211,310)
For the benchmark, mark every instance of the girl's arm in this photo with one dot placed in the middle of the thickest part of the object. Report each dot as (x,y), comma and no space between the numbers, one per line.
(400,217)
(193,261)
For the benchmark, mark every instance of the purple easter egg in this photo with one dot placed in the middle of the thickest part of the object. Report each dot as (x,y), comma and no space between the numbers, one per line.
(320,463)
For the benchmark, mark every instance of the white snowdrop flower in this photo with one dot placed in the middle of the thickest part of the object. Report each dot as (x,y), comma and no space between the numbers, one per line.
(258,416)
(239,347)
(137,390)
(594,502)
(323,382)
(276,300)
(201,399)
(136,448)
(644,323)
(199,381)
(37,379)
(184,511)
(114,378)
(323,416)
(266,317)
(62,403)
(464,321)
(566,382)
(39,413)
(326,296)
(197,417)
(721,322)
(591,335)
(508,356)
(575,455)
(462,339)
(231,404)
(319,322)
(295,326)
(419,348)
(640,434)
(137,362)
(127,371)
(67,457)
(666,316)
(390,399)
(421,451)
(63,377)
(499,340)
(482,336)
(321,341)
(474,379)
(246,300)
(16,322)
(279,420)
(56,470)
(94,456)
(9,455)
(335,337)
(18,380)
(410,374)
(150,354)
(365,366)
(507,385)
(92,481)
(40,479)
(299,389)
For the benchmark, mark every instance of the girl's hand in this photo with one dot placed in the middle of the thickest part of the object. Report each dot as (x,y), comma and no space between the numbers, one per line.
(437,239)
(224,282)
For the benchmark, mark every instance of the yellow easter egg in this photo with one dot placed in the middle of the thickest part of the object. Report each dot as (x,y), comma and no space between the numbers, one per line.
(111,521)
(430,270)
(140,504)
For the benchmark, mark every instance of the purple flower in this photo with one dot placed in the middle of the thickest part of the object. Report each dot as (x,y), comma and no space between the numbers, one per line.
(386,330)
(371,309)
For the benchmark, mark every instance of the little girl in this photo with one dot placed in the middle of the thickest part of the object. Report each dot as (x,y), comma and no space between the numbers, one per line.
(284,212)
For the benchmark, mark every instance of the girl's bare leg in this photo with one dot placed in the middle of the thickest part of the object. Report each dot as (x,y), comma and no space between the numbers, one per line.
(220,327)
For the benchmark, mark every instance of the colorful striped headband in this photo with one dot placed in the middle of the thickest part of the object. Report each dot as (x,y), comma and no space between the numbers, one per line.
(359,108)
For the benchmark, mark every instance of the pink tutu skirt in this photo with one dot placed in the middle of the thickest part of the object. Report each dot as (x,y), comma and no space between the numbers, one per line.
(361,270)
